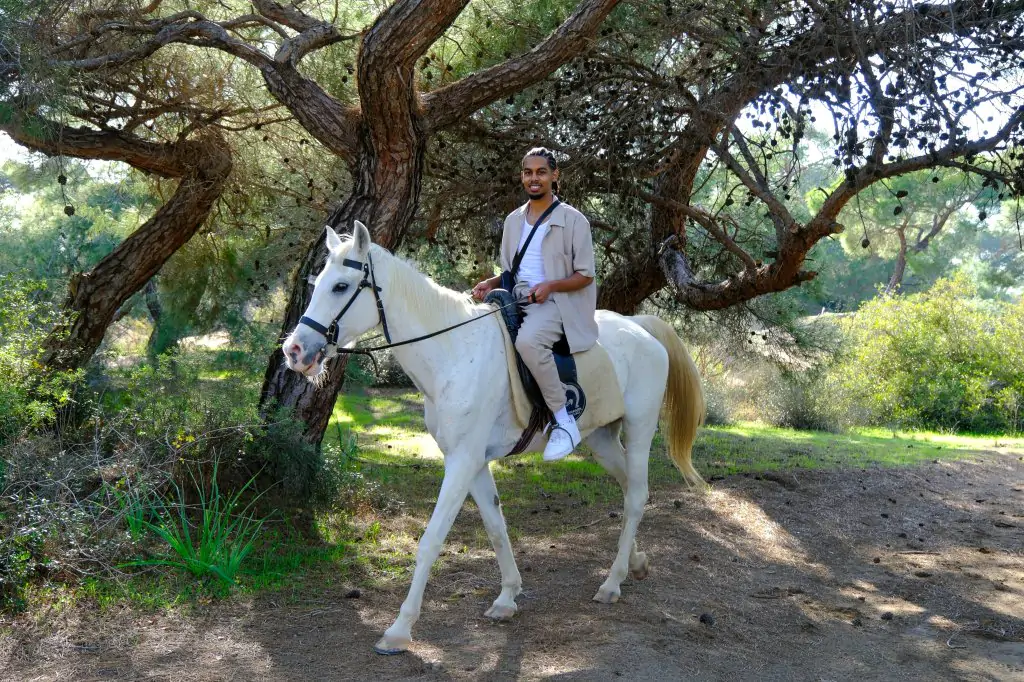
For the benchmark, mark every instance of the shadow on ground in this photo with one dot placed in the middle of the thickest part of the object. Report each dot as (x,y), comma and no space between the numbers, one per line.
(914,573)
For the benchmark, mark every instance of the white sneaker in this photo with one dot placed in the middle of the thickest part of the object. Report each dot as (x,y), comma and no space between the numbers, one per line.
(562,440)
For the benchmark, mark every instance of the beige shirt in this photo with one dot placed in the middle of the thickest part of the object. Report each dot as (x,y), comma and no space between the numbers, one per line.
(567,247)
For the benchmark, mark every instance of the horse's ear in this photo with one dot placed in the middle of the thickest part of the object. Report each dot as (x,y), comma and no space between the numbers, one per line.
(361,235)
(333,240)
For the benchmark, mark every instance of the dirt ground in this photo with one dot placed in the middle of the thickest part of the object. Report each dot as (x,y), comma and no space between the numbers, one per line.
(910,574)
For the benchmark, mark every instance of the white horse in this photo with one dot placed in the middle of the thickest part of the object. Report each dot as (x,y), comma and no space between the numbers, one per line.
(468,409)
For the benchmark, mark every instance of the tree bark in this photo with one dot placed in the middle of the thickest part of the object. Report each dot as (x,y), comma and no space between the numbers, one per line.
(385,196)
(900,269)
(95,296)
(156,312)
(203,165)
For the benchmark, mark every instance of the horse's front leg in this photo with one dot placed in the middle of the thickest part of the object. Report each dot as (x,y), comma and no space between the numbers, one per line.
(486,495)
(459,472)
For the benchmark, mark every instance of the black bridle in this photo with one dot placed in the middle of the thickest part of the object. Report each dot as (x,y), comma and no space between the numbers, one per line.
(330,332)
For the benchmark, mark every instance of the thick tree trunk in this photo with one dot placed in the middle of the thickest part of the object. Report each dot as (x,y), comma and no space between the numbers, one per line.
(629,285)
(94,297)
(385,196)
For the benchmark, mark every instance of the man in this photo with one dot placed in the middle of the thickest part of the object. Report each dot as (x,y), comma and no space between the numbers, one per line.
(556,272)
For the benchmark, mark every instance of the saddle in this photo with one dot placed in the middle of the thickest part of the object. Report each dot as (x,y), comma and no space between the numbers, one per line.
(575,399)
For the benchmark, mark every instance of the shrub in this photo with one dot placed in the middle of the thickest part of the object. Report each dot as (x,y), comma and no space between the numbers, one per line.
(941,359)
(21,558)
(100,486)
(385,372)
(806,400)
(29,398)
(719,409)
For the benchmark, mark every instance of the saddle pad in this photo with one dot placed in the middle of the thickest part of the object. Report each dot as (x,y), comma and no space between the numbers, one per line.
(596,376)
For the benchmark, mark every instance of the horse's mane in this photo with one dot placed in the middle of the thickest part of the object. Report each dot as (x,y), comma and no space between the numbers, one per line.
(422,298)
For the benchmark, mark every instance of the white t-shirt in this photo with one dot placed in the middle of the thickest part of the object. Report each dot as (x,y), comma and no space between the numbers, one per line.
(531,268)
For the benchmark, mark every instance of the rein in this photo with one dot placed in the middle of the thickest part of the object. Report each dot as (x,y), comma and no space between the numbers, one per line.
(330,333)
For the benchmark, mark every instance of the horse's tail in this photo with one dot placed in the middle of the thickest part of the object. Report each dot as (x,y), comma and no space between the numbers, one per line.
(684,397)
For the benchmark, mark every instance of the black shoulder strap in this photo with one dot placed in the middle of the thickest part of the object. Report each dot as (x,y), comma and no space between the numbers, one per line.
(522,252)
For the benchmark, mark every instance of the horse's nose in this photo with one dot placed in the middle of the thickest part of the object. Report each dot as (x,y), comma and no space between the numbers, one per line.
(294,351)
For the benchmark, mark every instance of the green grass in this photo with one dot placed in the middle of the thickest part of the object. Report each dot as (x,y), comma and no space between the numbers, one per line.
(281,561)
(400,461)
(748,448)
(215,547)
(395,451)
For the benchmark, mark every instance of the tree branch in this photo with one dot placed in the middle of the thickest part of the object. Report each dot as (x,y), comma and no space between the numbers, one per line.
(450,104)
(705,220)
(42,135)
(405,31)
(871,173)
(291,17)
(196,29)
(294,49)
(756,183)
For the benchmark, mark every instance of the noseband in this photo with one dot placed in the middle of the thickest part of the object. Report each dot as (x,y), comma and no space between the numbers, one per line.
(330,333)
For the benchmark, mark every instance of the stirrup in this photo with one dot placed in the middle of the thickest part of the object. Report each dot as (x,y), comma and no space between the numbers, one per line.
(555,425)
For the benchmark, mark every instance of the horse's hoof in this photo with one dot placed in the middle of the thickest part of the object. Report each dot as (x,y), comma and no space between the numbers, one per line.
(643,568)
(607,595)
(390,647)
(387,652)
(500,612)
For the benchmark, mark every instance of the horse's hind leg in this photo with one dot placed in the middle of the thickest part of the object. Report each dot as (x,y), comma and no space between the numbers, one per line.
(608,451)
(486,496)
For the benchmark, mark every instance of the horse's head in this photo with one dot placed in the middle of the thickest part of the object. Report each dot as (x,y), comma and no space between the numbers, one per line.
(338,291)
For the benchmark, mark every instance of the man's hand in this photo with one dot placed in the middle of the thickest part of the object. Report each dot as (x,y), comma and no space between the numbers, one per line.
(574,282)
(483,288)
(540,292)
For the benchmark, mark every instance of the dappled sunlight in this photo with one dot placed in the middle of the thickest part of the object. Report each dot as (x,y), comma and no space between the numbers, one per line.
(755,447)
(342,416)
(752,532)
(405,441)
(394,547)
(873,437)
(174,640)
(951,439)
(794,569)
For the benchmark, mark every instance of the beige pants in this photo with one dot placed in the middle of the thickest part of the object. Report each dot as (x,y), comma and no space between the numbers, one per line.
(541,329)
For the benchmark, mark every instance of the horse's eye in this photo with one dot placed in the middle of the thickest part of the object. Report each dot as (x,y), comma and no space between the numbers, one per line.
(340,288)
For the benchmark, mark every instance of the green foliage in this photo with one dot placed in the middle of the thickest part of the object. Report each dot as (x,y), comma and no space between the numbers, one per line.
(941,359)
(112,479)
(214,546)
(718,411)
(21,558)
(136,508)
(29,399)
(296,467)
(41,242)
(201,405)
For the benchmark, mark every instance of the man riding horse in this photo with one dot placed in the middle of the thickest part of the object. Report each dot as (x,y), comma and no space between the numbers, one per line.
(547,246)
(452,349)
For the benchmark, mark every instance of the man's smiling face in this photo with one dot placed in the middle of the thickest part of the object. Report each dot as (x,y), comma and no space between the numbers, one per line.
(538,177)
